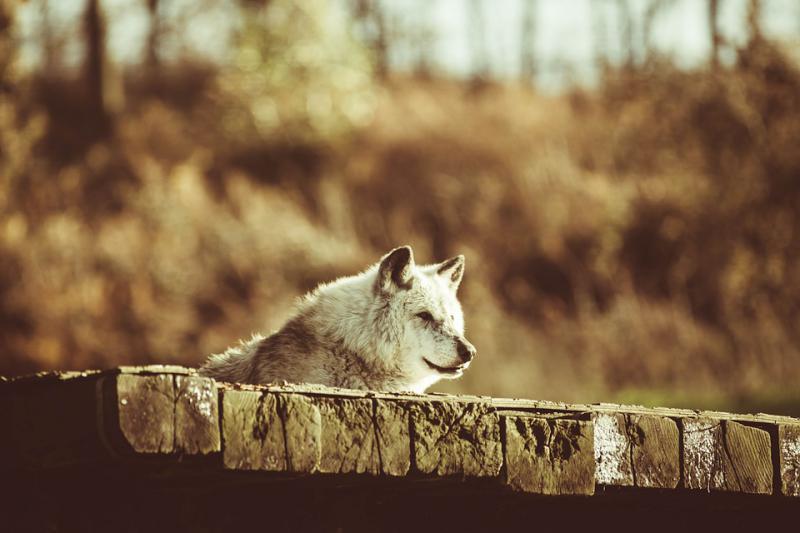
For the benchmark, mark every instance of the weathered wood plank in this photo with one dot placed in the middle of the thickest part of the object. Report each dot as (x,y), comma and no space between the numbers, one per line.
(252,432)
(279,433)
(726,456)
(703,454)
(196,415)
(789,458)
(612,450)
(547,456)
(59,376)
(348,435)
(146,407)
(302,425)
(154,370)
(749,454)
(392,430)
(63,418)
(637,450)
(655,442)
(455,439)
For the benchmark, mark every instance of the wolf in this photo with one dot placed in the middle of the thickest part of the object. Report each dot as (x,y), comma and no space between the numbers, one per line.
(395,327)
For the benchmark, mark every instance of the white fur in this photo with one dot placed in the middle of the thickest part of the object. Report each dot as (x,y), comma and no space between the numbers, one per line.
(368,322)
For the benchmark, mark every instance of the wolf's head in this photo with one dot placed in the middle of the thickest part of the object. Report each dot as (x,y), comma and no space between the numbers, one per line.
(421,307)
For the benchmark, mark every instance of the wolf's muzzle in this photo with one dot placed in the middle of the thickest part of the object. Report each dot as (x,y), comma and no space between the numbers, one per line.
(466,351)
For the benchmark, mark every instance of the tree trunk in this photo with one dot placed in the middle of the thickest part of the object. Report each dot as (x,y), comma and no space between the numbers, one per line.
(381,40)
(528,41)
(713,31)
(153,36)
(754,20)
(370,15)
(626,32)
(8,49)
(94,31)
(654,9)
(49,47)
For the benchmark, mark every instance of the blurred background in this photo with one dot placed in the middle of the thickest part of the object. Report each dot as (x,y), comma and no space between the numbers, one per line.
(622,175)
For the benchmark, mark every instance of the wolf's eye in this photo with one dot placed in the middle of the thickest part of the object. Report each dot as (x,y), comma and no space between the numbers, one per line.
(426,316)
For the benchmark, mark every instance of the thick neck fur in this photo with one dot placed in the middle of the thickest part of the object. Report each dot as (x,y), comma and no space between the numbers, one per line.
(348,313)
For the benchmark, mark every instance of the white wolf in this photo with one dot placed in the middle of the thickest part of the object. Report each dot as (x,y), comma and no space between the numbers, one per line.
(396,326)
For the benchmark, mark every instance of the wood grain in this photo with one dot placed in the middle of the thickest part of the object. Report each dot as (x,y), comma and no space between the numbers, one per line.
(549,456)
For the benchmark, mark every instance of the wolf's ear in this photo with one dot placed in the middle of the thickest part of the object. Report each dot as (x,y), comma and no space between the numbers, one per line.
(452,270)
(396,270)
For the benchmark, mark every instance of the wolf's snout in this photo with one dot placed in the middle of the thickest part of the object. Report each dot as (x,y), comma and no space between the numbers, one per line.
(466,351)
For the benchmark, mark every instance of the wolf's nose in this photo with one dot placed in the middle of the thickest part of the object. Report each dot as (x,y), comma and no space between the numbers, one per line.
(466,351)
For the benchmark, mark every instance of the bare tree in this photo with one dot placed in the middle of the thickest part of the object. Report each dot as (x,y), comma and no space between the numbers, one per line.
(94,31)
(372,19)
(528,41)
(153,36)
(50,50)
(104,88)
(8,49)
(626,32)
(713,31)
(754,20)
